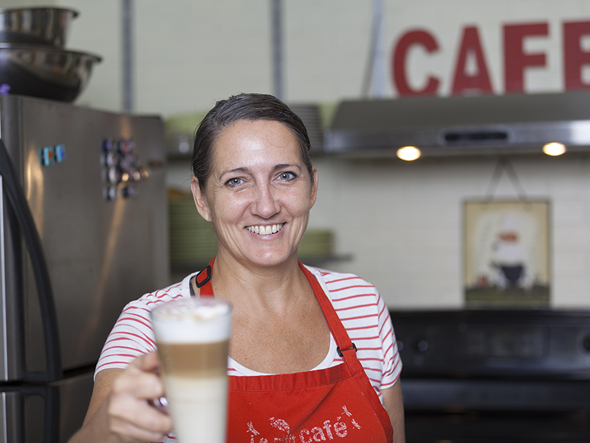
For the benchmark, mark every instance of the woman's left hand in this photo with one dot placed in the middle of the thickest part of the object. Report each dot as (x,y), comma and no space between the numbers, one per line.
(393,404)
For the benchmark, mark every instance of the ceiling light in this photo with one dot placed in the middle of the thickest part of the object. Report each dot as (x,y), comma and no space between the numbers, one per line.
(554,149)
(408,153)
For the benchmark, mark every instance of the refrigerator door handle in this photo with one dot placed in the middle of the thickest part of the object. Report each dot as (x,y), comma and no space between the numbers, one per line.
(18,202)
(19,423)
(11,417)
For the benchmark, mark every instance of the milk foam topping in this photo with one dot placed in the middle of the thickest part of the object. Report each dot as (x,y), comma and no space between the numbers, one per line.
(192,320)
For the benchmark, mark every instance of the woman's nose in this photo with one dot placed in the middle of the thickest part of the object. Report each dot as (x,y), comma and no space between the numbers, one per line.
(266,204)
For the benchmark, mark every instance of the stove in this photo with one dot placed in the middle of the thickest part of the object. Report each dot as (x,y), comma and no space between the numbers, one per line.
(495,375)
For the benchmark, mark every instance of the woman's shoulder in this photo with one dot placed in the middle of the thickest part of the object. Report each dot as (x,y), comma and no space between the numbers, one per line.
(339,281)
(351,295)
(151,299)
(361,309)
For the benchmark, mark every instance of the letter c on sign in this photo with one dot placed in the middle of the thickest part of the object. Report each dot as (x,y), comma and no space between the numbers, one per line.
(410,38)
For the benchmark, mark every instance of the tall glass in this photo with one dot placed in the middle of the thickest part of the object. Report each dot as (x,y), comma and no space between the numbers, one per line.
(193,338)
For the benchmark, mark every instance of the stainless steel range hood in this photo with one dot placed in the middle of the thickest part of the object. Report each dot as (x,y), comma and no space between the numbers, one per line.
(471,125)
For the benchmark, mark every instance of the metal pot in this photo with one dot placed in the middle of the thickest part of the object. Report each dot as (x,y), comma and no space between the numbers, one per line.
(37,26)
(44,72)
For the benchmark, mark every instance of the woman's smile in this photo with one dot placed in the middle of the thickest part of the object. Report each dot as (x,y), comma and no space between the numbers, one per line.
(265,230)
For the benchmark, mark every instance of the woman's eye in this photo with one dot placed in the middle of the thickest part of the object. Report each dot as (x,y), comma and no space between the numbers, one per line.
(286,176)
(234,182)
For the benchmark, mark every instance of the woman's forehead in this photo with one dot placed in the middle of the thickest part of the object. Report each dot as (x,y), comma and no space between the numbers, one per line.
(244,139)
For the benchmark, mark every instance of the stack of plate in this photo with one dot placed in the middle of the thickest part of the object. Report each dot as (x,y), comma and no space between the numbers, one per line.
(310,114)
(316,243)
(180,132)
(192,239)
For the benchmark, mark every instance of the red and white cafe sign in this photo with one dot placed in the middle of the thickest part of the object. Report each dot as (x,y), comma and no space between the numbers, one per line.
(476,78)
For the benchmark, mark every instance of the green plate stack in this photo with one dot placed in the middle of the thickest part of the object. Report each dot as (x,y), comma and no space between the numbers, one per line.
(316,243)
(192,240)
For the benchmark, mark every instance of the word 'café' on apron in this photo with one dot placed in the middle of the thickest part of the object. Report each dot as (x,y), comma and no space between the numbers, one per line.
(336,403)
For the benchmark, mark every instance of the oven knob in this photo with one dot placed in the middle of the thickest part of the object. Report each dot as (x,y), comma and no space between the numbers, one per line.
(422,345)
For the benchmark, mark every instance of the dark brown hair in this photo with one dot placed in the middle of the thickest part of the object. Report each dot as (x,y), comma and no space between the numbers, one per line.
(243,107)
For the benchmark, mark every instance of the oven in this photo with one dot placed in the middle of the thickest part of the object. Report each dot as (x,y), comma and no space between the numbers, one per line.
(495,375)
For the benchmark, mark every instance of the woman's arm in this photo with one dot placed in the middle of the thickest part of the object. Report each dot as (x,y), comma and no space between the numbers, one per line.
(393,404)
(119,411)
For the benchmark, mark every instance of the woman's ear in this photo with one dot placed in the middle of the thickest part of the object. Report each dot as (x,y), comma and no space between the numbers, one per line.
(314,186)
(200,199)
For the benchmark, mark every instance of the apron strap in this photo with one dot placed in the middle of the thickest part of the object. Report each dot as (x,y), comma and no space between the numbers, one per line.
(202,281)
(347,351)
(334,323)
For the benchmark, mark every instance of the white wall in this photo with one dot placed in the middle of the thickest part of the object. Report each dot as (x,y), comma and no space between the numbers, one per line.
(401,222)
(191,53)
(97,30)
(25,3)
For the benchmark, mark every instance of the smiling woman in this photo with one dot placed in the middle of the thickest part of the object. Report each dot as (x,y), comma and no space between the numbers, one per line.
(258,195)
(324,336)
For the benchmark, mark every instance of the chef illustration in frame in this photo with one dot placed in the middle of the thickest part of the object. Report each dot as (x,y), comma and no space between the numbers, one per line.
(511,257)
(507,253)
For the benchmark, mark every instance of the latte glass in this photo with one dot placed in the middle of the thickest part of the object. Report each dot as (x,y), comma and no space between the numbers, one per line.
(193,337)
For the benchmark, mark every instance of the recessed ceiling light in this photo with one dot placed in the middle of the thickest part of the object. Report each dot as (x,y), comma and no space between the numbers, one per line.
(408,153)
(554,149)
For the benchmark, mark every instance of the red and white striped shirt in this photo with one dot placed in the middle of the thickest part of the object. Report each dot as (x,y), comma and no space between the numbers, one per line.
(357,303)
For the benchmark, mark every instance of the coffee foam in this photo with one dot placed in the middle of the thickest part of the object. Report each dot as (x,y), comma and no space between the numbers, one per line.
(192,320)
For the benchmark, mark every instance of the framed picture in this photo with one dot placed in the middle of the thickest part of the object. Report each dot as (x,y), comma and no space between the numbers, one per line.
(506,254)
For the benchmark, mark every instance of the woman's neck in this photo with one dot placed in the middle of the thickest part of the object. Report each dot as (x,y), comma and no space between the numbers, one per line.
(266,289)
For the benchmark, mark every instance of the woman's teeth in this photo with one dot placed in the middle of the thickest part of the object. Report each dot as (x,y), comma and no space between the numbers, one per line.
(265,230)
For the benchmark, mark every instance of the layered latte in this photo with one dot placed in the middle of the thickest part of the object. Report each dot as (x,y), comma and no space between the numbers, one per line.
(193,336)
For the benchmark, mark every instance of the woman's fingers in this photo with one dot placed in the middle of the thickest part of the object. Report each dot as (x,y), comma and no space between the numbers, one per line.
(143,385)
(130,413)
(147,362)
(138,420)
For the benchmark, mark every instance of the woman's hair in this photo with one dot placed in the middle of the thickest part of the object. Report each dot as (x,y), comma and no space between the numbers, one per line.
(243,107)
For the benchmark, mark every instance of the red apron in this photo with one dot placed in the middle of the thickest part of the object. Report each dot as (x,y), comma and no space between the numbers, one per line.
(337,403)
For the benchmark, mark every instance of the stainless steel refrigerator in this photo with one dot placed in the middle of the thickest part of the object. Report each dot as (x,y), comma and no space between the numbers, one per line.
(83,230)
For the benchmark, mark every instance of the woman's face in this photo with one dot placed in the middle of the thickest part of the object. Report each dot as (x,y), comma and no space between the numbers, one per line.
(259,194)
